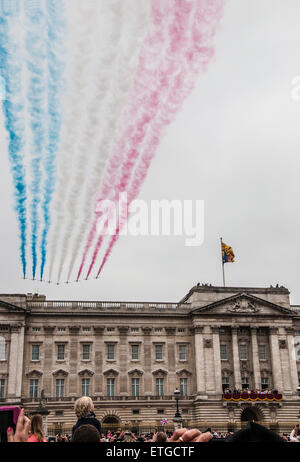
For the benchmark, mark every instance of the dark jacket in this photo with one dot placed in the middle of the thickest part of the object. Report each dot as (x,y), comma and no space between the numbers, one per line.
(90,419)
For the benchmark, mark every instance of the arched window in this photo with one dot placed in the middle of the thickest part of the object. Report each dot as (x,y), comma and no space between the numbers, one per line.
(2,349)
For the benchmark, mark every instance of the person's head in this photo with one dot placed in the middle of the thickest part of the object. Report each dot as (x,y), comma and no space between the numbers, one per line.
(36,427)
(86,434)
(161,437)
(83,406)
(128,439)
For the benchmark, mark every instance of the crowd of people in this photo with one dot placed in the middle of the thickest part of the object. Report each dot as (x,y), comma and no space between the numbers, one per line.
(88,430)
(247,390)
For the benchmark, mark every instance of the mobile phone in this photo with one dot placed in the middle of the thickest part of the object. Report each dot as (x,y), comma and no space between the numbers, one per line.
(8,418)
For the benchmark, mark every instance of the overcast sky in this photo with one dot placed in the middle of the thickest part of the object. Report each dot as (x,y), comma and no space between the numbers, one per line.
(235,144)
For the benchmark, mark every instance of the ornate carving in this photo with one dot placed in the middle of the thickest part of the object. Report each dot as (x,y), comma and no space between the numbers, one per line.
(171,330)
(282,344)
(111,372)
(183,372)
(74,329)
(147,330)
(34,372)
(98,329)
(208,343)
(123,330)
(243,306)
(60,372)
(160,372)
(85,372)
(136,372)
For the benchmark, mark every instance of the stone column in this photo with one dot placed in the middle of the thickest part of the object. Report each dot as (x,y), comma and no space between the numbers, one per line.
(48,361)
(99,347)
(172,385)
(123,330)
(15,367)
(275,357)
(199,362)
(148,391)
(73,362)
(236,359)
(292,359)
(217,359)
(255,359)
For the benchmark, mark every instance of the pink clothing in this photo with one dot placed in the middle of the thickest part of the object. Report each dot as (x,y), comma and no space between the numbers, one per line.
(33,439)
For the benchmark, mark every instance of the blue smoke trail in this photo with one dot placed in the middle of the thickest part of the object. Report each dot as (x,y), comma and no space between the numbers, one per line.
(11,72)
(55,9)
(36,95)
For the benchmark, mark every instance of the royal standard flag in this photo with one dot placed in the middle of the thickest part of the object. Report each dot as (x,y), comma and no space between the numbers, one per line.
(227,253)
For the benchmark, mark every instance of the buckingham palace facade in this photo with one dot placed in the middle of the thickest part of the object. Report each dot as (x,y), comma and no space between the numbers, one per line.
(130,357)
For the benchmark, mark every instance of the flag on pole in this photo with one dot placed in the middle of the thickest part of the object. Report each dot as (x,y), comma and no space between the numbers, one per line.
(227,253)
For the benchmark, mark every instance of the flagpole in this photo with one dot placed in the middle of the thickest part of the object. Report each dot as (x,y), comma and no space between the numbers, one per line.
(222,263)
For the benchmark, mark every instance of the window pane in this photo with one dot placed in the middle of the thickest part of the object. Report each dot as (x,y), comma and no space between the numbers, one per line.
(223,351)
(182,352)
(110,351)
(135,387)
(159,387)
(184,386)
(33,388)
(135,351)
(85,387)
(243,351)
(61,352)
(60,387)
(158,352)
(262,352)
(2,349)
(35,356)
(2,388)
(110,385)
(86,351)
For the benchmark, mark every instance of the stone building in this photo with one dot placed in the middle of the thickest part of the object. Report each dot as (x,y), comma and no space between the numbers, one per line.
(130,357)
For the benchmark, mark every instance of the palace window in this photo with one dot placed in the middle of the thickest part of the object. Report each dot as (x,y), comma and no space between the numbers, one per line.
(264,383)
(135,387)
(158,329)
(135,329)
(110,351)
(2,349)
(245,382)
(184,386)
(86,329)
(185,411)
(225,383)
(33,388)
(36,329)
(110,329)
(159,387)
(2,388)
(262,352)
(86,351)
(181,330)
(182,352)
(60,388)
(85,387)
(60,352)
(135,411)
(61,329)
(134,352)
(158,352)
(298,353)
(110,387)
(223,352)
(243,352)
(35,352)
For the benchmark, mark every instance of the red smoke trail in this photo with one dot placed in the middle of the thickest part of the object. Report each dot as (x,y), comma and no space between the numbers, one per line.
(157,87)
(143,100)
(197,56)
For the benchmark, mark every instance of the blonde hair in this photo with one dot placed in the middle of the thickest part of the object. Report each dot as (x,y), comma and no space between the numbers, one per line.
(36,427)
(83,406)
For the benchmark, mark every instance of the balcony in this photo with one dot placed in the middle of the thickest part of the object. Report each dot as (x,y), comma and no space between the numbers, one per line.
(54,399)
(252,397)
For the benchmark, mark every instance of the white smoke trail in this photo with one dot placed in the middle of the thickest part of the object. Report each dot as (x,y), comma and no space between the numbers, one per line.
(82,19)
(134,27)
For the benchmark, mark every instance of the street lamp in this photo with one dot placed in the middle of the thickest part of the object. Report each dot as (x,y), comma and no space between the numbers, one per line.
(177,394)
